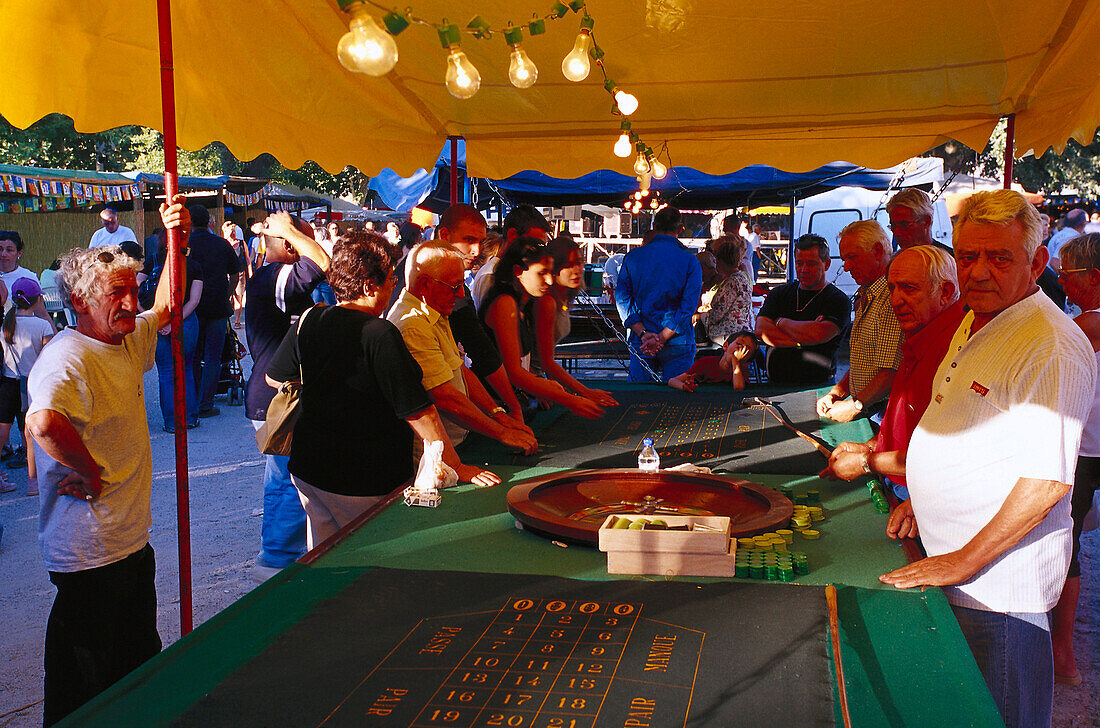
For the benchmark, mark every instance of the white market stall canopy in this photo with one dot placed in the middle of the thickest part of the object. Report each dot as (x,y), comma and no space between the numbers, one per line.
(786,83)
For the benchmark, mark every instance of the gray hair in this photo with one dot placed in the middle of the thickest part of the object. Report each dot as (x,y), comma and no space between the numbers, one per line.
(865,234)
(427,258)
(913,198)
(1002,207)
(939,265)
(1081,252)
(84,270)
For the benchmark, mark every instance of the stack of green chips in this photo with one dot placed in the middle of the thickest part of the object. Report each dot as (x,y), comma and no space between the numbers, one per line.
(800,562)
(877,498)
(813,496)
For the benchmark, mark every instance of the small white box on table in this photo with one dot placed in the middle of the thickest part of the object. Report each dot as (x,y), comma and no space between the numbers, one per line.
(707,550)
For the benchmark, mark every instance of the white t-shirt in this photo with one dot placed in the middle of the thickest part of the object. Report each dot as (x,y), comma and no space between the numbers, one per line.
(483,281)
(26,343)
(11,278)
(1008,402)
(120,235)
(98,387)
(1060,238)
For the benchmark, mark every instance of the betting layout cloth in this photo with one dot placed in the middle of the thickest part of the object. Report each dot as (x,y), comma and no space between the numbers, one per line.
(714,428)
(538,652)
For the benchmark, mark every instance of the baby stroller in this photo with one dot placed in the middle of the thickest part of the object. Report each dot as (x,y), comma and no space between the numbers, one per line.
(231,382)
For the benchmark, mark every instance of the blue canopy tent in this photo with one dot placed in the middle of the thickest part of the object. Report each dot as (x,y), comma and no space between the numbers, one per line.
(689,188)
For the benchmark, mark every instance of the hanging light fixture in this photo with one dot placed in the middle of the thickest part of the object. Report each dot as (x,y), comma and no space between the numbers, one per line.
(626,103)
(522,72)
(656,168)
(462,78)
(576,65)
(641,164)
(623,145)
(367,47)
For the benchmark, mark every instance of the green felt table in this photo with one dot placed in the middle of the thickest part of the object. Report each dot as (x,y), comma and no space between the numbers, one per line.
(904,658)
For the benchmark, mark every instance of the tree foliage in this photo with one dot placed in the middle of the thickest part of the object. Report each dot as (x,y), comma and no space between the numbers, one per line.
(1076,168)
(53,142)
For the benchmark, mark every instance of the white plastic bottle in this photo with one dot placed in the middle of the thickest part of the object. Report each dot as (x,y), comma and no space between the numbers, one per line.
(648,459)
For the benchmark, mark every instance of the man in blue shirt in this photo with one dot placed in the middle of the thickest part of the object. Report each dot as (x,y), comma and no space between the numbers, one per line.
(657,293)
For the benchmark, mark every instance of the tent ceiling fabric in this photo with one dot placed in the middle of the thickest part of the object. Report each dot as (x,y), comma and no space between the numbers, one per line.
(788,83)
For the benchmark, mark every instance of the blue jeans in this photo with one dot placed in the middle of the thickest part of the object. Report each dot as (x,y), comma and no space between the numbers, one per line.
(208,359)
(1017,661)
(674,359)
(164,373)
(283,529)
(323,294)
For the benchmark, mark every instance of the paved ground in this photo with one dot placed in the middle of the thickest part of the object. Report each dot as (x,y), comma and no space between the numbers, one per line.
(226,496)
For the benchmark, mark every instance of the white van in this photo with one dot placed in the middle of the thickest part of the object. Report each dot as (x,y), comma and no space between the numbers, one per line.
(827,214)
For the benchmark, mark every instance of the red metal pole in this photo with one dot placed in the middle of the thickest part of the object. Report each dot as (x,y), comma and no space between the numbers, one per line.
(1010,149)
(175,272)
(454,169)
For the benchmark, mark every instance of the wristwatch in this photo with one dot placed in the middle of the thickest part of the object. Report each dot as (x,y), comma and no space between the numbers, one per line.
(865,461)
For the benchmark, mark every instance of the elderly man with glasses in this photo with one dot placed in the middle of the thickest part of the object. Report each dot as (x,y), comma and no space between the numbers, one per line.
(435,273)
(95,469)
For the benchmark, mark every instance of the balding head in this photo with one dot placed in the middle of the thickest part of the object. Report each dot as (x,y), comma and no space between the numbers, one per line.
(434,274)
(109,218)
(923,283)
(1076,219)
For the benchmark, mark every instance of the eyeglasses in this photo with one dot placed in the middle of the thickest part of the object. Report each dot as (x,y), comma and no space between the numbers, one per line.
(1067,271)
(456,289)
(906,224)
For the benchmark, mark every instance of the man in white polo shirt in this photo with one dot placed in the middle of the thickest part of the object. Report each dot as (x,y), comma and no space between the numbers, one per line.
(991,464)
(112,233)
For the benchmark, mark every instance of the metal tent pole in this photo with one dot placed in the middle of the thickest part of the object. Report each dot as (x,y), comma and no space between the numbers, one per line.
(175,272)
(1010,148)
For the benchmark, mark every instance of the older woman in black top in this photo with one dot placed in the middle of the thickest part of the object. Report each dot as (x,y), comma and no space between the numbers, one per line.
(361,400)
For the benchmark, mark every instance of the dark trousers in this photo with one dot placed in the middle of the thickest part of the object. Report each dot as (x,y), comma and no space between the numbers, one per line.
(208,359)
(103,625)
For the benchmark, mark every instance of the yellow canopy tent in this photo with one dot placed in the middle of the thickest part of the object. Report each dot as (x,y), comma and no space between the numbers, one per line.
(727,83)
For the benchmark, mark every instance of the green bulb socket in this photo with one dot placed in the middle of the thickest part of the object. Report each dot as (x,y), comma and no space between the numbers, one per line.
(449,35)
(587,23)
(537,27)
(559,9)
(624,126)
(576,5)
(395,23)
(513,36)
(478,27)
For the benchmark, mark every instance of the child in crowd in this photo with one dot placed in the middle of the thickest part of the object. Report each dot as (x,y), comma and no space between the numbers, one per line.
(24,335)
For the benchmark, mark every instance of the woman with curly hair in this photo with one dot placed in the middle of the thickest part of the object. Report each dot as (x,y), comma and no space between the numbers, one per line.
(361,400)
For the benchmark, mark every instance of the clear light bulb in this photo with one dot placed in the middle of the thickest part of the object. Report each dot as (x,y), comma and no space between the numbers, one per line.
(623,147)
(463,80)
(521,69)
(576,64)
(657,169)
(367,48)
(641,166)
(643,183)
(627,103)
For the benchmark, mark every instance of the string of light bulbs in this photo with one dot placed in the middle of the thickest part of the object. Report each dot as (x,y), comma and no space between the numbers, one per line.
(369,47)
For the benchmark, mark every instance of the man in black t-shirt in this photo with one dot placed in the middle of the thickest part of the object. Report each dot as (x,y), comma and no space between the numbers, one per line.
(276,294)
(802,322)
(220,269)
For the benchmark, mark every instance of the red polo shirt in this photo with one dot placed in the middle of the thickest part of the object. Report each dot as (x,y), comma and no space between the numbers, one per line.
(921,354)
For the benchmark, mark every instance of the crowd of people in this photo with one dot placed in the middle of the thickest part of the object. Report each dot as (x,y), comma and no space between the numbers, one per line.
(980,386)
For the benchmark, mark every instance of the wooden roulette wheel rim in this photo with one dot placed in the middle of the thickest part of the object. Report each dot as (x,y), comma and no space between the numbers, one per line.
(571,505)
